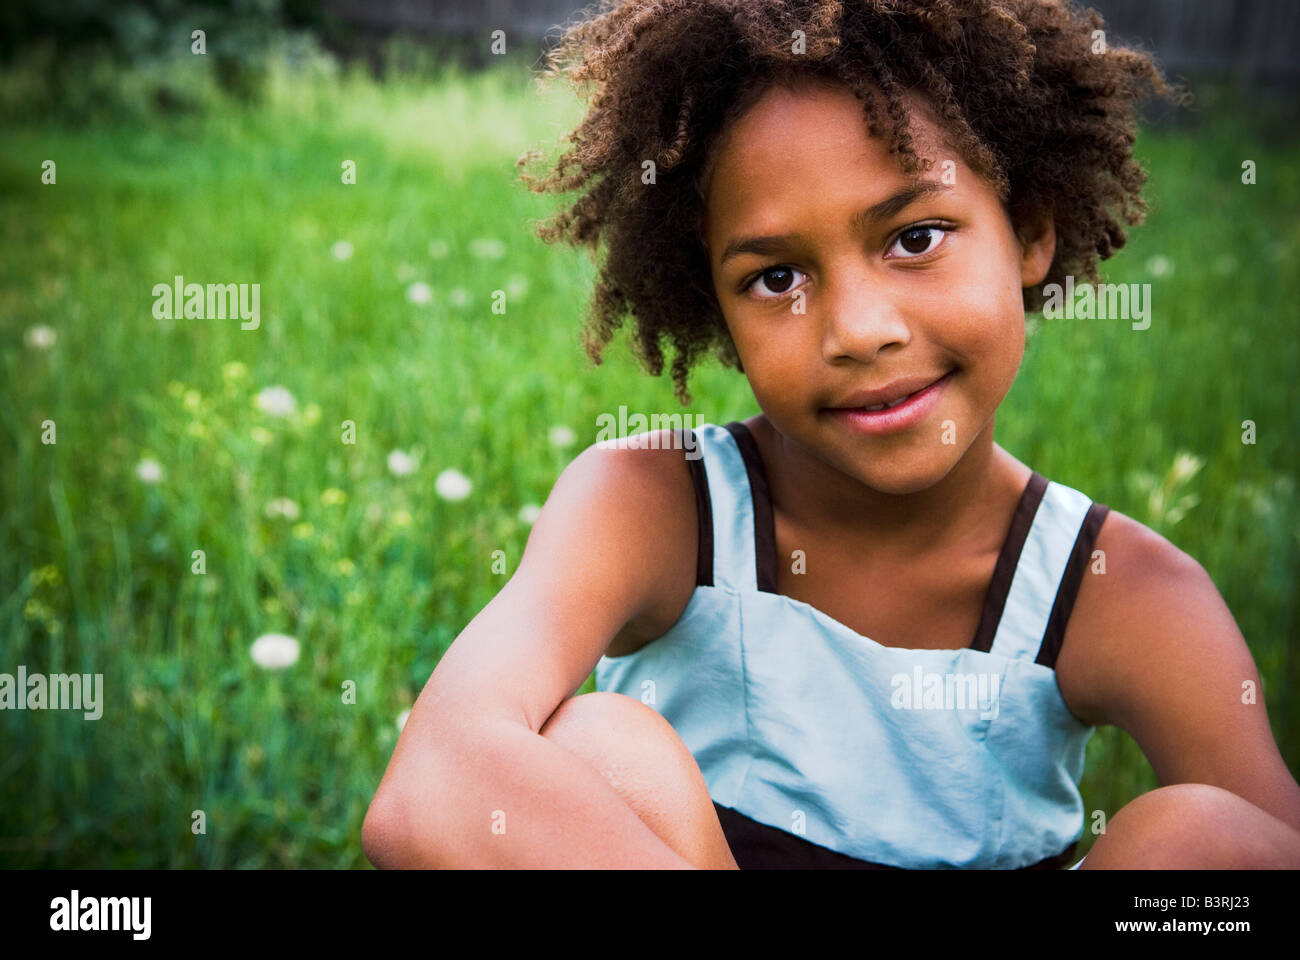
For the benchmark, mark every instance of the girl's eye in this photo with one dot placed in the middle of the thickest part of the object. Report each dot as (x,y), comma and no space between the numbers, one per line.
(778,280)
(916,241)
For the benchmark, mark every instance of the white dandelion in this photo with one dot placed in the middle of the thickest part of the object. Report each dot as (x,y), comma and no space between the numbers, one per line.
(529,513)
(562,437)
(149,470)
(1160,266)
(401,464)
(282,507)
(487,248)
(452,485)
(516,286)
(438,248)
(274,651)
(276,401)
(342,250)
(401,719)
(419,292)
(40,337)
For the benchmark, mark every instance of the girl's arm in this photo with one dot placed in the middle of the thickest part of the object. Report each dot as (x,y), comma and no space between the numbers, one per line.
(1157,653)
(606,549)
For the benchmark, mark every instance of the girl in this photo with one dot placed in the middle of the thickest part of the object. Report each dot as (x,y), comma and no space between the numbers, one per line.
(851,631)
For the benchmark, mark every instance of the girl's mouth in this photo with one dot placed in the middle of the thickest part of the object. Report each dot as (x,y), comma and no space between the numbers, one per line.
(895,415)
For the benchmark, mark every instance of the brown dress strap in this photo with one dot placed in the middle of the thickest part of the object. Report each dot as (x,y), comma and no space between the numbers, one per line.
(1062,606)
(764,524)
(995,600)
(704,516)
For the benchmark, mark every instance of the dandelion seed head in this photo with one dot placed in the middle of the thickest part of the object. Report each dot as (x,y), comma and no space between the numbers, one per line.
(562,437)
(401,464)
(40,337)
(149,470)
(274,651)
(1160,266)
(516,286)
(276,401)
(451,484)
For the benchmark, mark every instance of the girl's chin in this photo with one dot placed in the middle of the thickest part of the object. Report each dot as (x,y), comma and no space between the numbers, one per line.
(904,483)
(895,474)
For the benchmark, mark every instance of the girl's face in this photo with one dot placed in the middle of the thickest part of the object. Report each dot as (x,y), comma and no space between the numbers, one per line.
(843,291)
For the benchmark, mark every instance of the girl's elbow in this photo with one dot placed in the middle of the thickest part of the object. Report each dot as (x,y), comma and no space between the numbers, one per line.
(381,832)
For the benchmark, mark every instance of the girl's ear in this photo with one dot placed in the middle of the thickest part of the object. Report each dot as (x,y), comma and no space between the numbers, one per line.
(1037,247)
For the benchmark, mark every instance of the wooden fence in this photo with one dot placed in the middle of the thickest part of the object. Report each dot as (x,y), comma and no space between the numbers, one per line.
(1253,40)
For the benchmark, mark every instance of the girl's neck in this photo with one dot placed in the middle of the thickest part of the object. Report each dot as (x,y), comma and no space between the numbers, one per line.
(817,496)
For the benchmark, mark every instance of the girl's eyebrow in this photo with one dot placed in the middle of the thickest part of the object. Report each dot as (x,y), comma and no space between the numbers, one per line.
(889,207)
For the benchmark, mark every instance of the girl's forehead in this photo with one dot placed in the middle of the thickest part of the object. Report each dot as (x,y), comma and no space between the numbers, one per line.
(792,140)
(801,124)
(817,111)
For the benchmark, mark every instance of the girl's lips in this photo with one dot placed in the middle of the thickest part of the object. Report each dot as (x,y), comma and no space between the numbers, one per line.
(912,410)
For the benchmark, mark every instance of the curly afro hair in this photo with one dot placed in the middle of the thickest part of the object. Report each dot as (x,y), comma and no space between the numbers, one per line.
(1027,95)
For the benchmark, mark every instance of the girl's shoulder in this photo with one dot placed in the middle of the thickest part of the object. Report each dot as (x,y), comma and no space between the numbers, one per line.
(1154,650)
(1141,602)
(647,479)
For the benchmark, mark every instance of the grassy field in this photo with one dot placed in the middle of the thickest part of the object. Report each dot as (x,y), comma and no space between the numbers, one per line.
(375,309)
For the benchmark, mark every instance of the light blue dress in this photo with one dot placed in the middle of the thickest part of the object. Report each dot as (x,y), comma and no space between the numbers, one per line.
(822,747)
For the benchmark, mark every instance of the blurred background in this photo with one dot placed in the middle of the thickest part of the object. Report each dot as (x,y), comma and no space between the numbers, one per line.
(264,680)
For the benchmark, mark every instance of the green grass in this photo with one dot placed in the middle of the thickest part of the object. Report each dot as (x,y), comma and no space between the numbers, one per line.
(95,565)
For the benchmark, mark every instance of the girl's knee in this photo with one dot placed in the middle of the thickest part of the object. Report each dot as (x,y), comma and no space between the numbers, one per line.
(635,748)
(610,729)
(641,756)
(1195,825)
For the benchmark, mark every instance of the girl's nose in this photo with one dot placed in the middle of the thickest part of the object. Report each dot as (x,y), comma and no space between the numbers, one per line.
(860,322)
